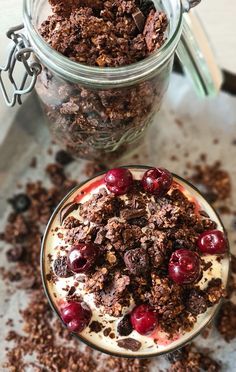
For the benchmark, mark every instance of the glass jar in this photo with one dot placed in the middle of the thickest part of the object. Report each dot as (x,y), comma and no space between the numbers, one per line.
(100,113)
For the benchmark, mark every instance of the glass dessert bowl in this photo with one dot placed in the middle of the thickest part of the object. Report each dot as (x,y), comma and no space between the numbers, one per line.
(135,262)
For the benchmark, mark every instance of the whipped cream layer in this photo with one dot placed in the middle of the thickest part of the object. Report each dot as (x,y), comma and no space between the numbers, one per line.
(106,339)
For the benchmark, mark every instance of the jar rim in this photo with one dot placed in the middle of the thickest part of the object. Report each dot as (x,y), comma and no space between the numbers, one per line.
(92,75)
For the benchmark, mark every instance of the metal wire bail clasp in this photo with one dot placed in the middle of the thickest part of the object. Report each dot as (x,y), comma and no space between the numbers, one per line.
(188,4)
(21,51)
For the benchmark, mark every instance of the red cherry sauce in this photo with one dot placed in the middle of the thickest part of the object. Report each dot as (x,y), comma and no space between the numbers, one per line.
(88,189)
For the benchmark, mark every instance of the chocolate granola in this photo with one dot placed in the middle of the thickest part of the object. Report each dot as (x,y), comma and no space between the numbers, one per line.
(137,234)
(99,122)
(104,33)
(44,336)
(37,317)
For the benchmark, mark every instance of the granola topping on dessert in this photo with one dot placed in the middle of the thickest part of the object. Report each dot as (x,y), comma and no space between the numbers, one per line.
(139,256)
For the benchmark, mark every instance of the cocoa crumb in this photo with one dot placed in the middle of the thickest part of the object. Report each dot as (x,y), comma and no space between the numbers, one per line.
(93,168)
(33,163)
(226,321)
(212,179)
(189,358)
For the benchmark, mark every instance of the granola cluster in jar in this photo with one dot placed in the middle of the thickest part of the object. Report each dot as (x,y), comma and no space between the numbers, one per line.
(93,122)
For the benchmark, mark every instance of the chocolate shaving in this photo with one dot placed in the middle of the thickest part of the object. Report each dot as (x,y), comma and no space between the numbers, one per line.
(129,344)
(129,214)
(66,210)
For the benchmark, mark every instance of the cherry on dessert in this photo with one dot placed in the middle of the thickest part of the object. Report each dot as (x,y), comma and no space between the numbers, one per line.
(157,181)
(144,319)
(76,315)
(212,242)
(82,257)
(184,266)
(118,180)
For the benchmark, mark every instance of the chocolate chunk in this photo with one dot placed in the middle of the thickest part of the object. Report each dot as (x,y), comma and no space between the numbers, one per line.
(139,19)
(66,210)
(129,214)
(146,6)
(141,221)
(60,267)
(129,344)
(71,291)
(95,326)
(124,326)
(107,331)
(136,261)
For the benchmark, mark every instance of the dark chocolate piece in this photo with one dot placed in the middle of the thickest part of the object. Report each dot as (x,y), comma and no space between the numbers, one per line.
(67,209)
(139,19)
(129,214)
(129,344)
(95,326)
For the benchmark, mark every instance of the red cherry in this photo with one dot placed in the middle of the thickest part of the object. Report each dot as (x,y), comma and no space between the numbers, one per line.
(76,315)
(144,319)
(118,180)
(82,257)
(212,242)
(157,181)
(184,266)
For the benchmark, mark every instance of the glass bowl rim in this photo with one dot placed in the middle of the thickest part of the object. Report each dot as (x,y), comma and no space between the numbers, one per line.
(215,308)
